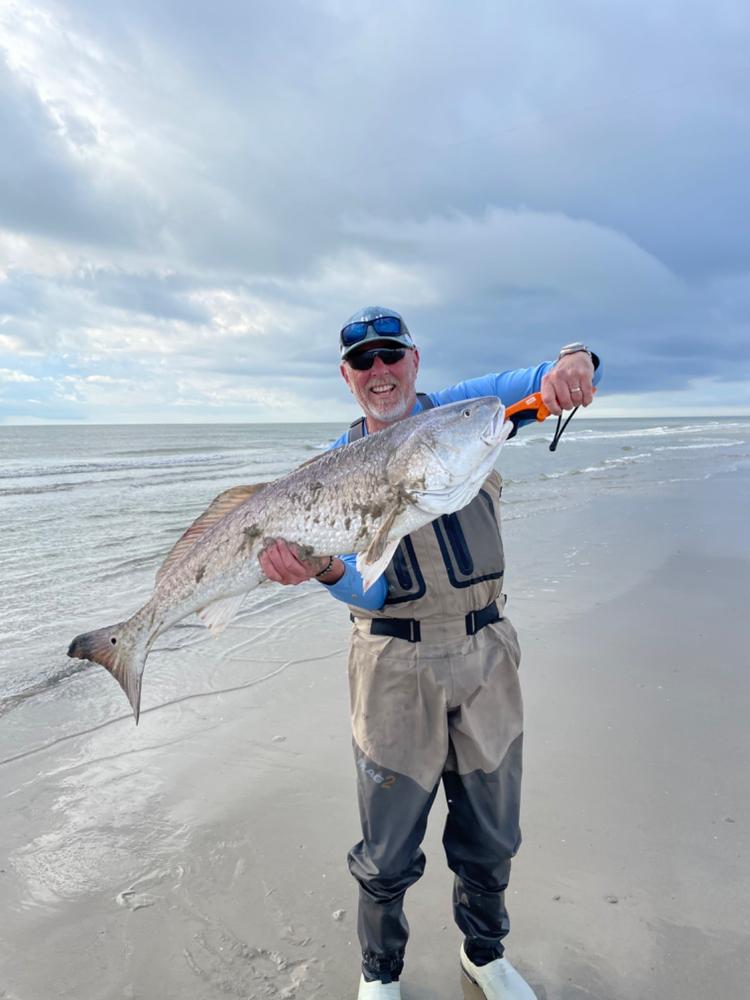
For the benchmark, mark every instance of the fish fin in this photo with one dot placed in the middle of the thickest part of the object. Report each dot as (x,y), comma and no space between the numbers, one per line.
(218,614)
(370,571)
(222,505)
(380,539)
(372,562)
(122,650)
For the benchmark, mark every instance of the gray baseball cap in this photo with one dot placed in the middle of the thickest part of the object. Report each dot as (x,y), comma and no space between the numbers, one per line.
(373,324)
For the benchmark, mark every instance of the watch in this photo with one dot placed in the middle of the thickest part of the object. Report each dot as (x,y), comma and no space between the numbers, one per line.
(575,348)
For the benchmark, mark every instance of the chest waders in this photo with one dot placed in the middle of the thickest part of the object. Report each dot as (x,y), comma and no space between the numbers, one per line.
(434,696)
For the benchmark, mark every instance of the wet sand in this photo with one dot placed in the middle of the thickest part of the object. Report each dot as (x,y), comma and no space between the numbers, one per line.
(203,854)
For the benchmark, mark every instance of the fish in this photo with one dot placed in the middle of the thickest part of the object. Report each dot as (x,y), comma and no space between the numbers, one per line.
(361,498)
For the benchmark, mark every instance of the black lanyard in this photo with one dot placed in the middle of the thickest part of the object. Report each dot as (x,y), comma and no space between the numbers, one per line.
(559,430)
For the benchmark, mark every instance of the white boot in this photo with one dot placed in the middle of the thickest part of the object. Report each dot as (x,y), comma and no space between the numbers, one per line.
(498,980)
(378,990)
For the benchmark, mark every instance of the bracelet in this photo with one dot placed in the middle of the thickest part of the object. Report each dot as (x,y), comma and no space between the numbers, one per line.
(325,569)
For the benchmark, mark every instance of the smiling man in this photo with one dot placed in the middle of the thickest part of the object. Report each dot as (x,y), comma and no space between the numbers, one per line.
(382,373)
(433,674)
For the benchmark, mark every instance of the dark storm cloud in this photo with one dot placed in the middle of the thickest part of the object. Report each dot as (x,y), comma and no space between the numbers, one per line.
(511,178)
(151,295)
(81,300)
(302,114)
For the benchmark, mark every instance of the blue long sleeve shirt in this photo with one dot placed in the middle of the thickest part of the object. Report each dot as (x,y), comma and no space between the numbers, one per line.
(510,387)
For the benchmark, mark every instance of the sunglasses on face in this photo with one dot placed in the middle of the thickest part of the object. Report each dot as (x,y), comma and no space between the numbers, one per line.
(364,360)
(388,326)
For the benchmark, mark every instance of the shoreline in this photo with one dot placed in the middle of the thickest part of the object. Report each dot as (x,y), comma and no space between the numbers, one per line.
(205,851)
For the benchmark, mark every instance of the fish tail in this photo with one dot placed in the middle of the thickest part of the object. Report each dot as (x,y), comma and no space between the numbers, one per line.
(122,650)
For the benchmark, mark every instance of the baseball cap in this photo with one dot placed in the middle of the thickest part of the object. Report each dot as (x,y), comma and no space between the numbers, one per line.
(373,323)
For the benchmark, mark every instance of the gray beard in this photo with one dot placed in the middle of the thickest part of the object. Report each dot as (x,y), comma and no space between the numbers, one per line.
(387,414)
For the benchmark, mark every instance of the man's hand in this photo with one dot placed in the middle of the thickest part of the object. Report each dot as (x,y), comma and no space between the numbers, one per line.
(569,384)
(282,562)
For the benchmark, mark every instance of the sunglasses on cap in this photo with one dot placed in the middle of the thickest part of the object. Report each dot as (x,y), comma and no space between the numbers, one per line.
(384,326)
(363,361)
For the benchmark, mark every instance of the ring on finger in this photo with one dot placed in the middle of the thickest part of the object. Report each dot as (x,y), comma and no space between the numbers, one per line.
(576,388)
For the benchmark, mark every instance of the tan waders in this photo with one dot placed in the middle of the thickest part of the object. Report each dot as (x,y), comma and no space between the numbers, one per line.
(435,696)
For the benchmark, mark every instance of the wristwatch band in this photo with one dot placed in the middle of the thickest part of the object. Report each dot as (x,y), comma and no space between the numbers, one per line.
(575,348)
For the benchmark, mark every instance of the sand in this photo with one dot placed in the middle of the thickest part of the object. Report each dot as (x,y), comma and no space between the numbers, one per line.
(203,854)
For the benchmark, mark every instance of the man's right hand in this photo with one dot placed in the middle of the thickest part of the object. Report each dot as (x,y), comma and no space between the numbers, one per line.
(281,562)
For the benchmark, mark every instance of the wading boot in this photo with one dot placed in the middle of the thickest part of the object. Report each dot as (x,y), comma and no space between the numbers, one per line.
(497,980)
(378,991)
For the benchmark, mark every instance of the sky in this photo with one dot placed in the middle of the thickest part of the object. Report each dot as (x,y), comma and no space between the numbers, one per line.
(195,196)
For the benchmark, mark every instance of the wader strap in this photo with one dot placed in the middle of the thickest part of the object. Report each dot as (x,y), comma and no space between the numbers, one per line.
(357,427)
(401,628)
(476,620)
(411,630)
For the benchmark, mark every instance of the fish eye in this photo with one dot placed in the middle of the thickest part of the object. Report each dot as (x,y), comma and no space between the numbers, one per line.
(466,412)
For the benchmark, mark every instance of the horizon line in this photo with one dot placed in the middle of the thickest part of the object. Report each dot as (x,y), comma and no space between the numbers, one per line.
(218,423)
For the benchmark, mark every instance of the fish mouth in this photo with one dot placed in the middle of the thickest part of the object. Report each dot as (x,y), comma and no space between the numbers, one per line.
(495,431)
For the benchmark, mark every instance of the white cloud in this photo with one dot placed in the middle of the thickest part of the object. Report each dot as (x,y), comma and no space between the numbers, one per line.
(6,375)
(354,274)
(34,254)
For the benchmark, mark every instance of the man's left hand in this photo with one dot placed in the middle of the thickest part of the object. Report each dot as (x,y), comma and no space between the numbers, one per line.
(569,383)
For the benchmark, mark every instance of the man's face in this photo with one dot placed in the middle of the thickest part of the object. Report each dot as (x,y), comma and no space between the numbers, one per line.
(385,392)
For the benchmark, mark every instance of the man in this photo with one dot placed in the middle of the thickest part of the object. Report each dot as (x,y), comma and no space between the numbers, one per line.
(433,675)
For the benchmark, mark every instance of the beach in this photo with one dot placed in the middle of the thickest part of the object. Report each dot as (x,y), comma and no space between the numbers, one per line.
(203,853)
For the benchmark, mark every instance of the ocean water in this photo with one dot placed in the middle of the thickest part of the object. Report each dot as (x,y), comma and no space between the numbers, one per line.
(89,513)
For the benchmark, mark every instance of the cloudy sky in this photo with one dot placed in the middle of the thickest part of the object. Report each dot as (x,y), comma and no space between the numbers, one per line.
(194,195)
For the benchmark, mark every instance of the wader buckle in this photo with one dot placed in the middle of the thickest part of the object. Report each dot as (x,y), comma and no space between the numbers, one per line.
(476,620)
(410,629)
